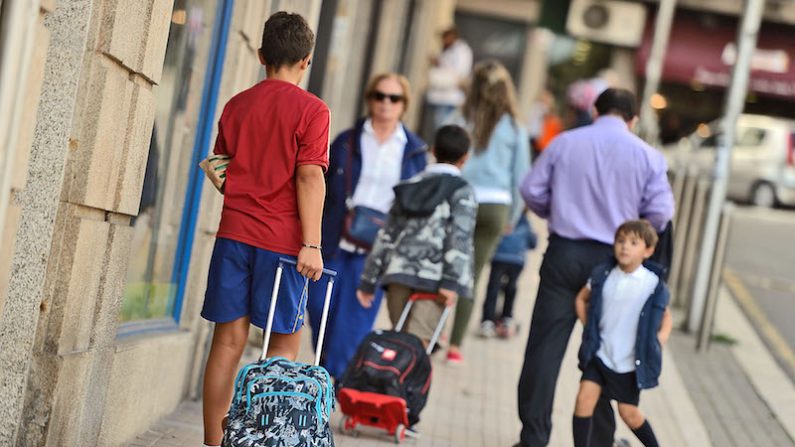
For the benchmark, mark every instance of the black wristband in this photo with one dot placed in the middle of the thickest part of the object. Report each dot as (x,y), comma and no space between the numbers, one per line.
(316,247)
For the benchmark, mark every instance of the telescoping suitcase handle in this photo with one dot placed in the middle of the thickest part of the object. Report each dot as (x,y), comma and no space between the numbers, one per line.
(274,296)
(438,331)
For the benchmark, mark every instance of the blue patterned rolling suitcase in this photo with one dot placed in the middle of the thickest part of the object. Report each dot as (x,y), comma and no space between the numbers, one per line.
(280,403)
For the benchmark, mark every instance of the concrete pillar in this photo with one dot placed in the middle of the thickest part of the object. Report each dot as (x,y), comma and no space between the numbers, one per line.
(534,69)
(68,26)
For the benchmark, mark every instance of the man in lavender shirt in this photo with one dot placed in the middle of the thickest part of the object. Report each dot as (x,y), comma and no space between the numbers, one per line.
(586,183)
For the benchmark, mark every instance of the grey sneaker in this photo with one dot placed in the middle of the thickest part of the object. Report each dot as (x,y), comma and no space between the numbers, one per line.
(487,329)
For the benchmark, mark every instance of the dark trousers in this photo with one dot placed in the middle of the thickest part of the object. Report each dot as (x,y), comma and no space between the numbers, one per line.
(503,278)
(565,270)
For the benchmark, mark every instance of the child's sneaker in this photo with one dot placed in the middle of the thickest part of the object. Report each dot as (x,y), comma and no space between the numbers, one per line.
(507,328)
(454,357)
(487,329)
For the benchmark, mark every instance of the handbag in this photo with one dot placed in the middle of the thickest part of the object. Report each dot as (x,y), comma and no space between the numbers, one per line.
(361,223)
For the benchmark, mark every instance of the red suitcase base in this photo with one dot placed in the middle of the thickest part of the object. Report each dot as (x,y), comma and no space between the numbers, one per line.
(374,410)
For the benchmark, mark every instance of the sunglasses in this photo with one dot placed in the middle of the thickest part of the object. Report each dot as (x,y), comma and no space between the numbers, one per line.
(380,96)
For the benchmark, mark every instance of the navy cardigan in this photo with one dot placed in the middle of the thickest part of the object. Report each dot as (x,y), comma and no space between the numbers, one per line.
(335,208)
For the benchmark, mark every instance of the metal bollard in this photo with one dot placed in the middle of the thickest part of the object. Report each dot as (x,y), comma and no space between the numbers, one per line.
(716,273)
(692,247)
(681,227)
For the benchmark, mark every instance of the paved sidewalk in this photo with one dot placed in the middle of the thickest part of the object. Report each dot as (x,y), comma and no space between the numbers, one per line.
(474,405)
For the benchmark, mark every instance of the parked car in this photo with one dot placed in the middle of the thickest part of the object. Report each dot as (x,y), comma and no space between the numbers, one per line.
(762,164)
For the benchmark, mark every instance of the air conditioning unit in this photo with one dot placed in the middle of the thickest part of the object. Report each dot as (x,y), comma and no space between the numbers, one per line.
(608,21)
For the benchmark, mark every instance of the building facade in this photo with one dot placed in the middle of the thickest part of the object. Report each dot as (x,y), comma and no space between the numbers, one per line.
(106,223)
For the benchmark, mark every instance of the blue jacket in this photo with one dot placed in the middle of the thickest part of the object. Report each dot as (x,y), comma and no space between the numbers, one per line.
(335,208)
(513,247)
(648,352)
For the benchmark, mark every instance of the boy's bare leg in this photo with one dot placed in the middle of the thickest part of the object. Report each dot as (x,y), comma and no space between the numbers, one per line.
(582,422)
(587,398)
(229,340)
(285,345)
(633,417)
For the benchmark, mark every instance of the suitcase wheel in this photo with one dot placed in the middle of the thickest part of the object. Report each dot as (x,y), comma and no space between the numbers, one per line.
(400,433)
(348,426)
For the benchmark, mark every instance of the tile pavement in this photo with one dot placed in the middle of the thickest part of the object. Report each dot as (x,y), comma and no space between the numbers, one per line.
(474,404)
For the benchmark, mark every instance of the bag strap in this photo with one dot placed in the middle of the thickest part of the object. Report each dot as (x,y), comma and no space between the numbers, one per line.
(272,310)
(349,170)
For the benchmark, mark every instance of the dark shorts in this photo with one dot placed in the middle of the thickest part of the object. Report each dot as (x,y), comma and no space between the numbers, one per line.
(621,387)
(240,283)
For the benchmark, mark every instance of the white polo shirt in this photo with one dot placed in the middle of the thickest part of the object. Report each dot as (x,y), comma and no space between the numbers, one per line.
(623,297)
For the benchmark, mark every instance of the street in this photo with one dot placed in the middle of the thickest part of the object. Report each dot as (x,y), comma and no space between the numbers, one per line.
(759,274)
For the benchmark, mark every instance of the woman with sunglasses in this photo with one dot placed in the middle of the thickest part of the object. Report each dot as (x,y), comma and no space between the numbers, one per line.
(499,159)
(365,163)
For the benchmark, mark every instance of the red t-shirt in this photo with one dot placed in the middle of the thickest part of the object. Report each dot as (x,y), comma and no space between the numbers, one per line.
(268,131)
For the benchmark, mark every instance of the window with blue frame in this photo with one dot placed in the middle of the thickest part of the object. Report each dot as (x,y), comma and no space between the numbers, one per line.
(158,248)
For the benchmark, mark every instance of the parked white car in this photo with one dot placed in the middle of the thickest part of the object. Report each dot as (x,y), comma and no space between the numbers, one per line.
(762,164)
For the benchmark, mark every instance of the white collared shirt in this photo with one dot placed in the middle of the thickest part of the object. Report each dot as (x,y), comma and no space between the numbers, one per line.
(623,297)
(381,168)
(443,168)
(455,65)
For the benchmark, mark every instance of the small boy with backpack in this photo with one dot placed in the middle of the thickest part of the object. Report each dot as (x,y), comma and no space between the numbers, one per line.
(506,266)
(427,242)
(274,136)
(624,310)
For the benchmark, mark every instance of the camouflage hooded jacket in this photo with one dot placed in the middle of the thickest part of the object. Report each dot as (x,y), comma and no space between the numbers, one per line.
(426,243)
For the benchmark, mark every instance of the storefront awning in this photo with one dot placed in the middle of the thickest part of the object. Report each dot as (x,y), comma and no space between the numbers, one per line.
(702,51)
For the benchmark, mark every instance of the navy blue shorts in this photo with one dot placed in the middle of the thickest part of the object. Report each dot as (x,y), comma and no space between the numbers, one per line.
(240,283)
(621,387)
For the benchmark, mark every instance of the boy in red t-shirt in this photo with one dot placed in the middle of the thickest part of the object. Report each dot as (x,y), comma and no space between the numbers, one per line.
(276,136)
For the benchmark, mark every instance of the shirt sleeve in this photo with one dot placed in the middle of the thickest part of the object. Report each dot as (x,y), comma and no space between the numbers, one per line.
(535,188)
(657,205)
(221,147)
(313,142)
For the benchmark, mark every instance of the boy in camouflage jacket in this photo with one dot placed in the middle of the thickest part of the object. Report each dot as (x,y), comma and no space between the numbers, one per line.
(426,244)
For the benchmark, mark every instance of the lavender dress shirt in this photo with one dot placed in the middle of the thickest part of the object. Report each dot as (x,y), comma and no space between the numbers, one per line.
(592,179)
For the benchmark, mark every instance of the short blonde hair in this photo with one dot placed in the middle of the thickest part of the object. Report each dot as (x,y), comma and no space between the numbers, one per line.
(402,80)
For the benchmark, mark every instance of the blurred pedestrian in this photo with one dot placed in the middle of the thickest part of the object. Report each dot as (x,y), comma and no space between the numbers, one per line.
(580,98)
(546,124)
(506,266)
(366,162)
(586,184)
(447,79)
(500,157)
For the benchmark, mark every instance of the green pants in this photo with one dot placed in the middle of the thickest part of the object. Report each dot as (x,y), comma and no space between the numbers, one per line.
(490,225)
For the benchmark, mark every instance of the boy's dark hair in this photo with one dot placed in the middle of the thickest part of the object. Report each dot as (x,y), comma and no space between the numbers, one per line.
(641,228)
(617,101)
(450,144)
(286,39)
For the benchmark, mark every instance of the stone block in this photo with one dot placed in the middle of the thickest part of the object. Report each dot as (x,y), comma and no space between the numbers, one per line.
(147,381)
(7,241)
(253,14)
(124,30)
(71,390)
(136,149)
(135,33)
(156,39)
(31,106)
(73,279)
(99,133)
(80,276)
(111,292)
